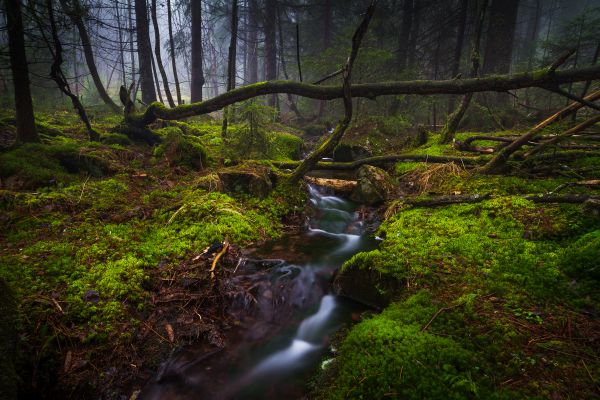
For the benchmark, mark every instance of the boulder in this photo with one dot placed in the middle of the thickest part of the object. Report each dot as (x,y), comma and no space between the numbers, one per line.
(366,285)
(374,186)
(350,152)
(254,181)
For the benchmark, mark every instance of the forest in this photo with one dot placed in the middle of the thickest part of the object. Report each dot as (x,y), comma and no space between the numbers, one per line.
(299,199)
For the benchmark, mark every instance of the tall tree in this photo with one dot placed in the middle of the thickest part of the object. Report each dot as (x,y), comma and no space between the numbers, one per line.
(252,28)
(159,64)
(270,45)
(231,64)
(405,30)
(197,81)
(75,12)
(460,37)
(497,55)
(449,130)
(26,131)
(144,52)
(173,55)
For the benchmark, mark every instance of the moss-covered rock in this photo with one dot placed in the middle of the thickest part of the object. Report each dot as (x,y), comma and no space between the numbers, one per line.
(254,180)
(350,152)
(374,186)
(361,279)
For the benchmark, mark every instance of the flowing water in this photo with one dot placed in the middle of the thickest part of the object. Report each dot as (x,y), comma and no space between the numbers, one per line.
(280,343)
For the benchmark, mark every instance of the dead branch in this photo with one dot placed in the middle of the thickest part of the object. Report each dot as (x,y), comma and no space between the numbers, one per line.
(589,183)
(574,130)
(329,144)
(217,257)
(497,163)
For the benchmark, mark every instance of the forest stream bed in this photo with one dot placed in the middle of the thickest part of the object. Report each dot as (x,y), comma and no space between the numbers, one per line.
(107,250)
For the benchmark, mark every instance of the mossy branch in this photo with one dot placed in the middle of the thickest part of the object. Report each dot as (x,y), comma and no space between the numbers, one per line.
(500,83)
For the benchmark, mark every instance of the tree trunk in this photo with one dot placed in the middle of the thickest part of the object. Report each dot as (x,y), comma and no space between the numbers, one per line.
(252,28)
(405,30)
(121,47)
(132,49)
(173,53)
(497,56)
(144,52)
(449,130)
(26,131)
(292,103)
(231,64)
(156,81)
(270,45)
(75,13)
(500,37)
(327,23)
(159,63)
(197,52)
(460,37)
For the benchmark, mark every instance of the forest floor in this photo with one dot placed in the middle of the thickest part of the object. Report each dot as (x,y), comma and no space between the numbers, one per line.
(107,248)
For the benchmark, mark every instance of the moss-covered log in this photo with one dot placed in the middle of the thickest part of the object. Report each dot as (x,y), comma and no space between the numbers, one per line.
(380,160)
(500,83)
(436,201)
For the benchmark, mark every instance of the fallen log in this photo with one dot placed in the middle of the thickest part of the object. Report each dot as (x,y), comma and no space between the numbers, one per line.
(496,164)
(380,160)
(499,83)
(444,200)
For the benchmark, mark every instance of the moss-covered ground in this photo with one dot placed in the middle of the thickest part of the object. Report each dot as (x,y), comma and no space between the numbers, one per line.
(499,300)
(103,246)
(92,234)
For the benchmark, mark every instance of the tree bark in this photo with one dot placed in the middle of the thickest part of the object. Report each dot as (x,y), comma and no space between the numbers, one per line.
(197,52)
(26,131)
(75,13)
(270,45)
(449,130)
(537,78)
(173,53)
(500,40)
(327,22)
(144,52)
(405,30)
(231,64)
(460,38)
(252,27)
(159,63)
(496,164)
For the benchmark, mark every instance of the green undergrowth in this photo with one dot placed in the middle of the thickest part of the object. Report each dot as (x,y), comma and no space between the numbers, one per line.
(110,236)
(484,281)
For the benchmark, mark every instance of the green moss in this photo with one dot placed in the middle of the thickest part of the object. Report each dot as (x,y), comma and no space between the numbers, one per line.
(181,150)
(383,358)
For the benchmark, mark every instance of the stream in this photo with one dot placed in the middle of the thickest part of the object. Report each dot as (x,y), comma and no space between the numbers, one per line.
(285,319)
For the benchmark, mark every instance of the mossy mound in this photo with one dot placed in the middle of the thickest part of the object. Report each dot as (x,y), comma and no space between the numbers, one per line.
(36,165)
(181,150)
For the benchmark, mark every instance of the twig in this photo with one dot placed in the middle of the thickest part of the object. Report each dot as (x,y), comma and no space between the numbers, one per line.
(564,56)
(441,310)
(83,189)
(214,263)
(333,74)
(590,374)
(558,90)
(157,334)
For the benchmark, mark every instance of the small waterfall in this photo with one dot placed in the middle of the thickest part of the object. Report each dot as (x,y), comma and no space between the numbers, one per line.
(275,368)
